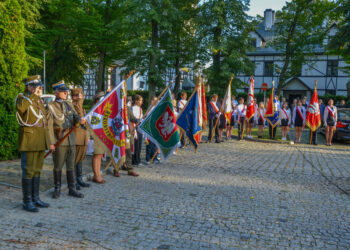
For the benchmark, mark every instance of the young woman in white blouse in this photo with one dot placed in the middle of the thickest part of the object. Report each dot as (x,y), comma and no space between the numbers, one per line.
(259,119)
(299,117)
(330,118)
(285,120)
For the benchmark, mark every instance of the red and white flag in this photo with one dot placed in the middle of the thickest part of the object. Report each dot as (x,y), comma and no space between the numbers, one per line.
(204,105)
(227,103)
(109,122)
(313,114)
(250,101)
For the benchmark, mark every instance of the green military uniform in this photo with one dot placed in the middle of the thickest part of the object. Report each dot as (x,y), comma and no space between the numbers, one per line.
(32,142)
(62,117)
(82,139)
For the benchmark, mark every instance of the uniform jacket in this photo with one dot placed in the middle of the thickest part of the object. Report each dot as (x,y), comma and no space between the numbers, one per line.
(62,117)
(32,118)
(211,110)
(327,115)
(285,114)
(81,134)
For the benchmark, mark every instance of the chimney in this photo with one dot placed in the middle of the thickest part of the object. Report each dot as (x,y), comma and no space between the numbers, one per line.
(269,18)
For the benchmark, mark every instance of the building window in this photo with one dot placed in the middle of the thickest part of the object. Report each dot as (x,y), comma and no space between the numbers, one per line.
(268,68)
(142,84)
(332,68)
(253,42)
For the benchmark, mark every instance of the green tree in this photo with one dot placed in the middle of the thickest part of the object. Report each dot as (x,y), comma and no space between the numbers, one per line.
(224,34)
(13,68)
(299,30)
(340,43)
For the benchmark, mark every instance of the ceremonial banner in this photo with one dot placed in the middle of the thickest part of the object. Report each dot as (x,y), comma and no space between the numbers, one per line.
(313,115)
(227,103)
(188,120)
(109,122)
(272,112)
(160,127)
(251,102)
(203,102)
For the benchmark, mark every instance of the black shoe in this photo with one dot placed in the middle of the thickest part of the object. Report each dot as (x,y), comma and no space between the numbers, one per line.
(72,186)
(35,193)
(28,204)
(57,182)
(79,174)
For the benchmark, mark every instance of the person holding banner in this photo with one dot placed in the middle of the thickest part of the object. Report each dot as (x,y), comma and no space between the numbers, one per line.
(137,112)
(285,120)
(222,123)
(180,106)
(330,118)
(81,136)
(62,118)
(151,148)
(260,120)
(232,121)
(241,113)
(299,119)
(214,113)
(99,149)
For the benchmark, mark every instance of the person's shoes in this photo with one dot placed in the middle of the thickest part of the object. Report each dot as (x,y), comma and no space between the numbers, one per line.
(28,204)
(71,186)
(140,164)
(147,163)
(57,182)
(35,193)
(79,174)
(116,173)
(132,173)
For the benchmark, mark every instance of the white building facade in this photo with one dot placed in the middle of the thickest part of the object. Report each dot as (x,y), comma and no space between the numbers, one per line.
(326,69)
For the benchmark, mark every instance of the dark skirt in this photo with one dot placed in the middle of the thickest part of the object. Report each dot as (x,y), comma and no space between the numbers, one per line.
(251,121)
(260,121)
(298,121)
(331,123)
(284,122)
(222,122)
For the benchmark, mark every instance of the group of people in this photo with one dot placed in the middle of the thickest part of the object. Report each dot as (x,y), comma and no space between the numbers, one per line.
(294,117)
(50,128)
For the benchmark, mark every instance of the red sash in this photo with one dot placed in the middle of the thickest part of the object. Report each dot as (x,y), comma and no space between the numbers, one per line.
(261,116)
(215,108)
(134,124)
(183,104)
(244,109)
(287,114)
(330,111)
(300,113)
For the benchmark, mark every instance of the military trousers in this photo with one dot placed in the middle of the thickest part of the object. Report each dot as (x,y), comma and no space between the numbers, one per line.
(64,155)
(80,153)
(32,163)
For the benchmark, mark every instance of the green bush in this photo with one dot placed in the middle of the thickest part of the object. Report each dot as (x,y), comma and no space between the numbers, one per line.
(13,68)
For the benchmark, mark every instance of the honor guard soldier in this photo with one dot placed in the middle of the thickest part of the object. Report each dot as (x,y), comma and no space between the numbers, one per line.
(62,117)
(81,136)
(32,141)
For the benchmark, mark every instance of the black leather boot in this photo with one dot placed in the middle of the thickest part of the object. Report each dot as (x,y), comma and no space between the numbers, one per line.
(35,193)
(79,174)
(57,181)
(28,204)
(71,185)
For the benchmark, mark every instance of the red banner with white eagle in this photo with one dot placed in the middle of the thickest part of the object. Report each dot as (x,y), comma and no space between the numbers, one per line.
(109,122)
(313,114)
(250,101)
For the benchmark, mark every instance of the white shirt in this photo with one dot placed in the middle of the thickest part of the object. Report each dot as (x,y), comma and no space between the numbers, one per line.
(326,111)
(241,110)
(137,111)
(259,112)
(181,104)
(285,114)
(302,111)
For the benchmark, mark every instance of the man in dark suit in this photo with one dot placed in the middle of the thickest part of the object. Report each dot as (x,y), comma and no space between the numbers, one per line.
(214,113)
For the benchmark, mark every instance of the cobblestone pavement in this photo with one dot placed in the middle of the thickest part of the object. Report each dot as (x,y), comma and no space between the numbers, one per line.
(228,195)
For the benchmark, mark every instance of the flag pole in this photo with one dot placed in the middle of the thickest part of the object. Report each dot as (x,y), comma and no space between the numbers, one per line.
(217,120)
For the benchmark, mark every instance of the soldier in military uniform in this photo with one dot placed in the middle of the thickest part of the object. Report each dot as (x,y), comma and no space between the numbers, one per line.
(81,136)
(32,141)
(62,117)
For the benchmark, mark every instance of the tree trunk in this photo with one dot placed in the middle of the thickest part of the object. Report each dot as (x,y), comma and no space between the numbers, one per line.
(283,74)
(153,61)
(177,69)
(100,74)
(216,60)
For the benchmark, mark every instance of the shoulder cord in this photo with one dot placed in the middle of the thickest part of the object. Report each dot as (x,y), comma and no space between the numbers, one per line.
(38,116)
(61,118)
